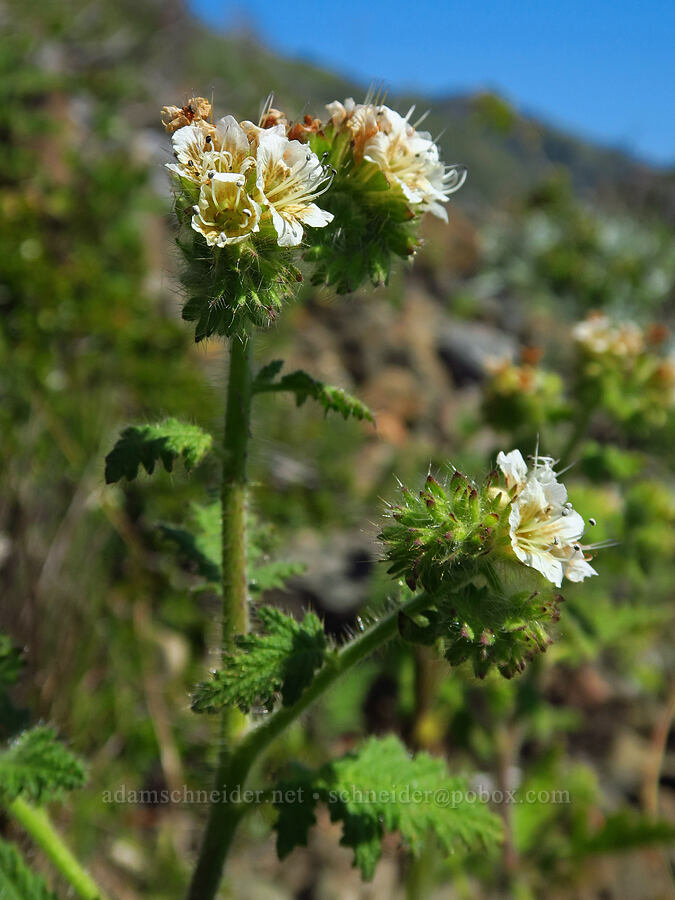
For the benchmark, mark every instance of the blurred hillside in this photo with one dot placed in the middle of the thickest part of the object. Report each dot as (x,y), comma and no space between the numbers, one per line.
(547,229)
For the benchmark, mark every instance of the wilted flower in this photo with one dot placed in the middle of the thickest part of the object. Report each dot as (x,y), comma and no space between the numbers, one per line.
(197,109)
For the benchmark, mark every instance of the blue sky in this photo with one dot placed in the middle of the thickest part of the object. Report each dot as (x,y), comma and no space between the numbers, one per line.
(601,69)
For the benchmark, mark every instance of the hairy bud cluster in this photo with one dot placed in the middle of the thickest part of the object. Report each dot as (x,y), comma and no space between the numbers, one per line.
(475,549)
(349,191)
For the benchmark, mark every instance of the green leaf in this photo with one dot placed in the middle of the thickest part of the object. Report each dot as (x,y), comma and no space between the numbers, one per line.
(39,767)
(379,789)
(623,831)
(303,386)
(201,548)
(17,881)
(145,445)
(12,719)
(274,575)
(282,660)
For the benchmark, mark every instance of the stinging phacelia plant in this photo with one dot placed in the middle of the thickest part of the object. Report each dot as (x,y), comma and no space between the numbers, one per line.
(475,567)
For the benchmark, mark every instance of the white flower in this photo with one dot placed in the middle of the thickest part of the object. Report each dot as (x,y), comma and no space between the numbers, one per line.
(201,149)
(289,178)
(543,527)
(408,158)
(225,213)
(545,532)
(598,335)
(513,467)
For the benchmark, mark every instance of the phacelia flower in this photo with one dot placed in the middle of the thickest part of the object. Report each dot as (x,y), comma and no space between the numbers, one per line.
(225,212)
(197,109)
(598,335)
(289,178)
(544,529)
(409,159)
(269,178)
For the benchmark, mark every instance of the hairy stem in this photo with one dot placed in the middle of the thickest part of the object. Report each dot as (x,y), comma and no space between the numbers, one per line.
(225,815)
(219,827)
(37,824)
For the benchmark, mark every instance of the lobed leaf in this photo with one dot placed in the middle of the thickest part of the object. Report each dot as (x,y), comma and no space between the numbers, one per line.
(379,789)
(280,661)
(145,445)
(17,881)
(39,767)
(303,385)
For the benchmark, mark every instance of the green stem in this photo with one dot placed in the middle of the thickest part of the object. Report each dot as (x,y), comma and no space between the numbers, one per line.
(234,501)
(36,822)
(224,816)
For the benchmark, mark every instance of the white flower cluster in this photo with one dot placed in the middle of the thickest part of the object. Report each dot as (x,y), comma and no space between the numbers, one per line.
(598,335)
(408,158)
(545,530)
(248,175)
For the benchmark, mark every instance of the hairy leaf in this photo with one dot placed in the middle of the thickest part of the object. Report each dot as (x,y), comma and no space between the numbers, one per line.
(39,767)
(282,660)
(17,881)
(201,548)
(379,789)
(303,386)
(145,445)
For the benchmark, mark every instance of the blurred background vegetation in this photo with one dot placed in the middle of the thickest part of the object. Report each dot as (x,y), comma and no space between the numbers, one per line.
(468,352)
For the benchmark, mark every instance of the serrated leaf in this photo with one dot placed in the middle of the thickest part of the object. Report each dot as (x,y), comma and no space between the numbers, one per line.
(379,789)
(146,445)
(39,767)
(201,548)
(17,881)
(280,661)
(304,386)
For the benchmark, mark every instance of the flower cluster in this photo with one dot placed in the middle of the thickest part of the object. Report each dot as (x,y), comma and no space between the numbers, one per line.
(522,397)
(479,552)
(245,176)
(349,191)
(623,370)
(409,159)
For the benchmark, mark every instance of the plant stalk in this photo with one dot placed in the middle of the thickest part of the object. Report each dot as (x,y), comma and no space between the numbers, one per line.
(36,823)
(225,815)
(234,502)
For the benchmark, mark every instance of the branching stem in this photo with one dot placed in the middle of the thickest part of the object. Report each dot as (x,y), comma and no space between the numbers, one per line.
(224,815)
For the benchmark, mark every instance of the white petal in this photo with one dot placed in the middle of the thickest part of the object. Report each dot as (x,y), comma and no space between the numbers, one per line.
(577,569)
(513,466)
(289,232)
(314,216)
